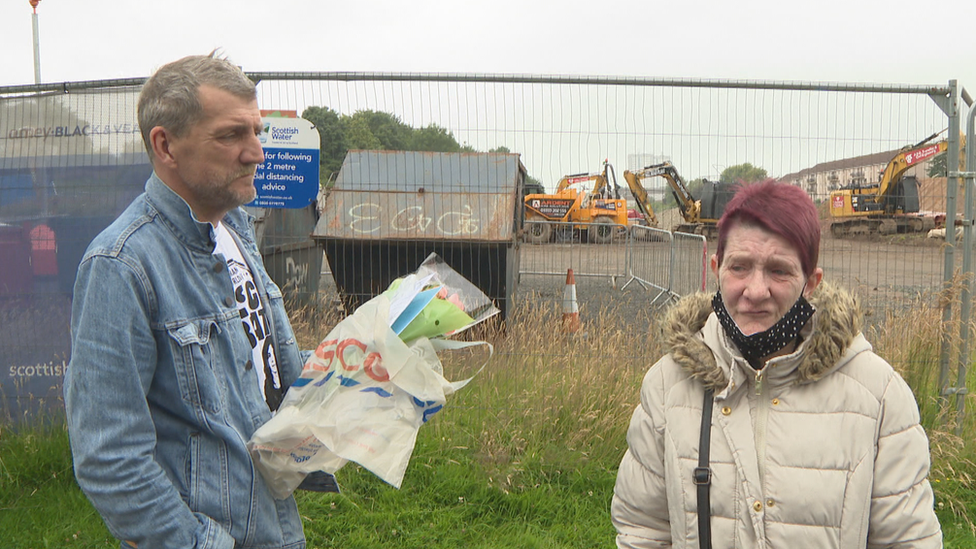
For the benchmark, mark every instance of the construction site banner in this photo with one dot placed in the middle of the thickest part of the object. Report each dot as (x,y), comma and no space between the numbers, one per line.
(69,164)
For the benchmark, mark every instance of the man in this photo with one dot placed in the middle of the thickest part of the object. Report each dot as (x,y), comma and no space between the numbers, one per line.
(181,347)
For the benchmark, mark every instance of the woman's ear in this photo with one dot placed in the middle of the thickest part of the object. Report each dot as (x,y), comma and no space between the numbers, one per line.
(812,282)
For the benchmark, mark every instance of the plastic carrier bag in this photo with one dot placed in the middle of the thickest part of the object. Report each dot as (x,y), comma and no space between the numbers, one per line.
(366,390)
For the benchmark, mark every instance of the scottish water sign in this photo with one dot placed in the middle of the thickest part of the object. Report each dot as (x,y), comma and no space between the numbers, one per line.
(289,177)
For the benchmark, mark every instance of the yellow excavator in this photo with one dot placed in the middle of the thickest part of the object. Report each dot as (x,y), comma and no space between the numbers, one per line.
(641,199)
(700,216)
(890,206)
(586,202)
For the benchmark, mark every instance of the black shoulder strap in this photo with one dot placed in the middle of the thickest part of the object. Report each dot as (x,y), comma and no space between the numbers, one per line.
(703,475)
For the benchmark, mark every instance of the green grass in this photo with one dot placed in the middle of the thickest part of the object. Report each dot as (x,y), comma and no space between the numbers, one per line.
(523,457)
(40,502)
(447,501)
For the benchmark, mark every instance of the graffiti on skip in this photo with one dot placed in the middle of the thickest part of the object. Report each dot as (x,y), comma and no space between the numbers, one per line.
(296,273)
(369,218)
(410,219)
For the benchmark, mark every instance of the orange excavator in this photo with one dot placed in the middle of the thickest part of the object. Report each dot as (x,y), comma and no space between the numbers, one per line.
(586,202)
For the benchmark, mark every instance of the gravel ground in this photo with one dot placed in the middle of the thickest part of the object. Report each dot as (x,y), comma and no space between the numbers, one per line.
(595,295)
(886,273)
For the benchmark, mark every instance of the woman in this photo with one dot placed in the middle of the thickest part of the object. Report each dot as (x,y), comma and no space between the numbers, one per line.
(811,439)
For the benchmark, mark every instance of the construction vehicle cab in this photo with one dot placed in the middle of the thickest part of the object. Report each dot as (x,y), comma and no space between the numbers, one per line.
(585,203)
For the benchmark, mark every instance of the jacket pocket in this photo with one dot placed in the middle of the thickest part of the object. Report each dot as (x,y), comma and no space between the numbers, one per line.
(194,353)
(208,479)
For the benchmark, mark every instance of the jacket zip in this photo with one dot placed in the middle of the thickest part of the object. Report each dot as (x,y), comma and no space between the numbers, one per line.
(762,413)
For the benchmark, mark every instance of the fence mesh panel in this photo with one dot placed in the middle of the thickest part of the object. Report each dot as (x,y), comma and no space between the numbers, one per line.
(70,162)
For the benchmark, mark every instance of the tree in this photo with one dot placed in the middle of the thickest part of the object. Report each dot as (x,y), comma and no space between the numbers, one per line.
(695,186)
(389,132)
(532,186)
(373,130)
(359,135)
(434,138)
(746,173)
(332,140)
(937,166)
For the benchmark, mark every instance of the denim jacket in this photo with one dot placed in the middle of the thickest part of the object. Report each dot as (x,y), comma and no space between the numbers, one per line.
(161,395)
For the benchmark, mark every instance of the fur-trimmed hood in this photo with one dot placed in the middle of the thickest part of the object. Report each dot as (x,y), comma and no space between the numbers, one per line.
(835,324)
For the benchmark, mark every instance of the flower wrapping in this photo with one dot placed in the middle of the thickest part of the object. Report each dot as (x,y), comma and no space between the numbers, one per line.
(365,392)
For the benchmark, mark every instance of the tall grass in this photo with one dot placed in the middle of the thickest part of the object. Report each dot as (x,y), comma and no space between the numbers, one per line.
(912,342)
(524,456)
(550,402)
(550,399)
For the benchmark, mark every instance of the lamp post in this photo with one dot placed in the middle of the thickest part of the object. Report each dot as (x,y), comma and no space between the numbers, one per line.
(37,49)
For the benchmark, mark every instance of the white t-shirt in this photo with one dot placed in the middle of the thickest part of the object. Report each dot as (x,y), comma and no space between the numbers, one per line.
(256,324)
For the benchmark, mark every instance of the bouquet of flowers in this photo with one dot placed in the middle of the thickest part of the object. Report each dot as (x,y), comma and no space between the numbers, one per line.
(372,382)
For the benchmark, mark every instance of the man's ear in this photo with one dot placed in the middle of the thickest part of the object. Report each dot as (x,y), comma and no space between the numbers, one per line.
(162,143)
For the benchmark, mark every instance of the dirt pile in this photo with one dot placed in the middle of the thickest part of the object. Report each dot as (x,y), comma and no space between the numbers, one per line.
(669,219)
(932,195)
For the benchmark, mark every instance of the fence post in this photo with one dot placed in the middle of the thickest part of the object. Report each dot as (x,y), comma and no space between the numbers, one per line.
(952,186)
(965,298)
(704,264)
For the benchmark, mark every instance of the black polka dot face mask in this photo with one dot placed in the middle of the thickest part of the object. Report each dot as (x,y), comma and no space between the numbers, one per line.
(759,345)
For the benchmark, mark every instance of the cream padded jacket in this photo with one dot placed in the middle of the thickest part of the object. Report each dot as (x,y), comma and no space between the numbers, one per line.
(821,449)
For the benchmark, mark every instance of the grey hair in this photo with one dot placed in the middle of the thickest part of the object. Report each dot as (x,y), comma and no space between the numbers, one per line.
(169,98)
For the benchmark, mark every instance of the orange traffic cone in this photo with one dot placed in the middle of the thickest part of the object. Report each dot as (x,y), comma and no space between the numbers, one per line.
(571,320)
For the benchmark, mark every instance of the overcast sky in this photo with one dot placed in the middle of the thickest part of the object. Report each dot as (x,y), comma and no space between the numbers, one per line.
(831,40)
(828,41)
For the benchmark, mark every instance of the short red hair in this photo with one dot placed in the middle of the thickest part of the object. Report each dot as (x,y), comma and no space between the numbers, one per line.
(780,208)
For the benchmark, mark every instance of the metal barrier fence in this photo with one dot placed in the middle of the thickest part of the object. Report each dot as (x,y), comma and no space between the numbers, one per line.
(668,264)
(571,249)
(652,262)
(690,264)
(71,159)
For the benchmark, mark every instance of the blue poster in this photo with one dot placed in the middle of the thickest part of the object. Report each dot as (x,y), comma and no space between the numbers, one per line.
(289,177)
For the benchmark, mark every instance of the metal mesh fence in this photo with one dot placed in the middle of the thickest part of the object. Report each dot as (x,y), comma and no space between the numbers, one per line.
(572,249)
(651,262)
(813,136)
(690,259)
(72,159)
(69,164)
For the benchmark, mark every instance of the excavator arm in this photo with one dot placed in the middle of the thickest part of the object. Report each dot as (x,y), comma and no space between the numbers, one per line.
(601,184)
(904,160)
(641,197)
(689,207)
(577,180)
